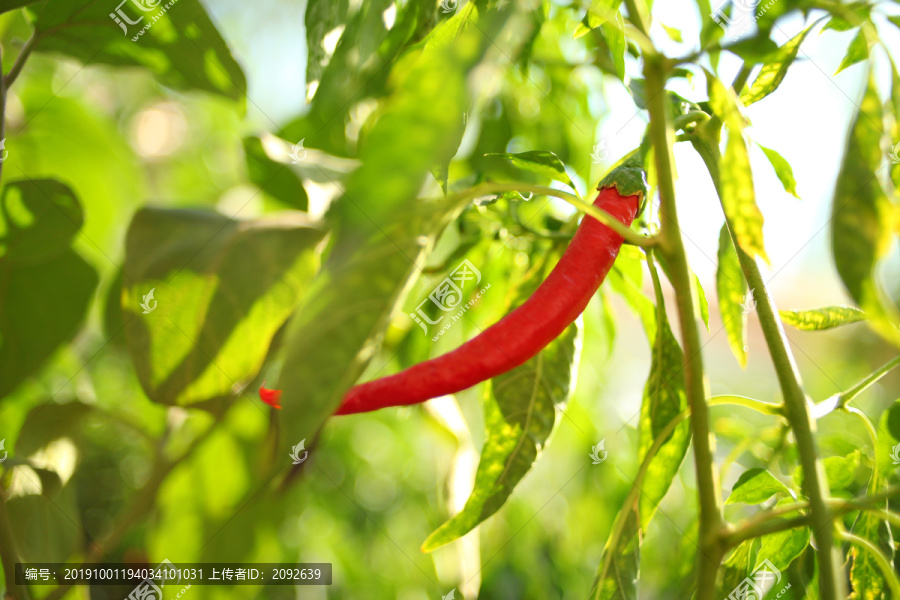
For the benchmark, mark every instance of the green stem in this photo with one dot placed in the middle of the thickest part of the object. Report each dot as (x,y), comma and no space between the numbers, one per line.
(672,245)
(20,61)
(484,189)
(9,555)
(797,405)
(883,563)
(766,408)
(856,390)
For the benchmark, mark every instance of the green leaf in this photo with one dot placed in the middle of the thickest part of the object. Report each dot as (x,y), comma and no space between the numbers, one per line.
(50,481)
(322,16)
(858,50)
(617,574)
(782,548)
(738,198)
(731,288)
(840,471)
(521,407)
(736,567)
(382,229)
(39,218)
(614,33)
(49,421)
(895,132)
(542,162)
(755,486)
(724,103)
(169,48)
(664,399)
(866,578)
(221,289)
(45,527)
(861,217)
(626,279)
(773,72)
(755,50)
(8,5)
(857,13)
(820,319)
(358,71)
(672,32)
(702,302)
(274,178)
(42,307)
(782,170)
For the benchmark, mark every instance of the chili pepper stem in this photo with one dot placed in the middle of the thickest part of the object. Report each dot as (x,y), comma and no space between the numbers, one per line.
(630,236)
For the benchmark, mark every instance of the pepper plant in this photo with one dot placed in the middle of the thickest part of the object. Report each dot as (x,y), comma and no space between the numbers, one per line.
(172,238)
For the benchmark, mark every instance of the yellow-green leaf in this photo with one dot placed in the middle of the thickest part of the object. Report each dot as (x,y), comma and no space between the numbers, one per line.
(819,319)
(755,487)
(731,287)
(858,50)
(664,399)
(738,198)
(782,170)
(521,409)
(773,73)
(861,217)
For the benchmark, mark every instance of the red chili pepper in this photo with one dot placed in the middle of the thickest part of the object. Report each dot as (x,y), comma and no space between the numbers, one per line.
(524,332)
(270,397)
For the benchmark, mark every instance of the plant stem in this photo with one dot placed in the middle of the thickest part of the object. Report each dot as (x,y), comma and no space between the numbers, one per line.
(863,385)
(771,521)
(484,189)
(797,405)
(9,555)
(883,563)
(711,519)
(20,61)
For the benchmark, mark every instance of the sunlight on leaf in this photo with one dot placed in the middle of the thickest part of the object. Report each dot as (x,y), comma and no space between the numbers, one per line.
(820,319)
(739,199)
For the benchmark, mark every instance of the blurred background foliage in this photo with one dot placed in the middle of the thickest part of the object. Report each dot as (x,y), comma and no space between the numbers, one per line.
(139,431)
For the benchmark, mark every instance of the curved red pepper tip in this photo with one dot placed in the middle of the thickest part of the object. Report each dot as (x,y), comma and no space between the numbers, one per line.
(270,397)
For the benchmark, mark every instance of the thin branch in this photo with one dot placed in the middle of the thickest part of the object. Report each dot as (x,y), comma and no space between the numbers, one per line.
(630,236)
(14,71)
(848,396)
(883,563)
